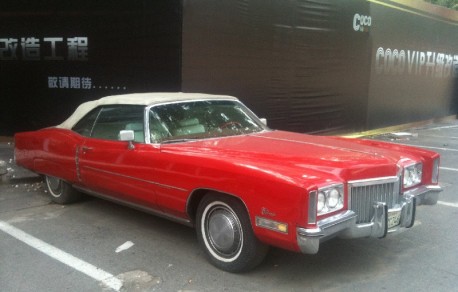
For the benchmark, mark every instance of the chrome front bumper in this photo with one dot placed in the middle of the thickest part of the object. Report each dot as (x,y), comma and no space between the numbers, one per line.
(344,224)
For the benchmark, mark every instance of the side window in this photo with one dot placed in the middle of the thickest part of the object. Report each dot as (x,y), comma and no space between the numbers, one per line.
(106,122)
(85,125)
(112,119)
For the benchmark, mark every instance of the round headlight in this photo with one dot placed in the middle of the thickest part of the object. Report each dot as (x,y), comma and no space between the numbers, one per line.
(321,202)
(333,198)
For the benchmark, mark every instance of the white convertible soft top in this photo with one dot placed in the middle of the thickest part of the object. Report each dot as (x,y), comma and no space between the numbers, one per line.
(137,99)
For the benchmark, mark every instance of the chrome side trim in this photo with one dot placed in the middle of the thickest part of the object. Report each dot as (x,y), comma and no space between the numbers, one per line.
(142,208)
(136,178)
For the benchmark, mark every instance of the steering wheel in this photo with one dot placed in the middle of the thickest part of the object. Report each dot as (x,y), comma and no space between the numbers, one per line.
(230,124)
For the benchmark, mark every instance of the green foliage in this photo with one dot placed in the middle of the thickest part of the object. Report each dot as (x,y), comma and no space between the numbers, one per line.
(452,4)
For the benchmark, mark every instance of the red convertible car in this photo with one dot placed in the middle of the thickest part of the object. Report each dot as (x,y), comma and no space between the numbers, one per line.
(208,162)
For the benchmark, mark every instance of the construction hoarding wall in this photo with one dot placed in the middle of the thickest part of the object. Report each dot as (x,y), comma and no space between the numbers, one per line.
(313,66)
(300,64)
(414,63)
(307,66)
(56,54)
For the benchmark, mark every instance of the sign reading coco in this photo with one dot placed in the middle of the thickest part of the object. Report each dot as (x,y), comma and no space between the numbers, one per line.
(361,22)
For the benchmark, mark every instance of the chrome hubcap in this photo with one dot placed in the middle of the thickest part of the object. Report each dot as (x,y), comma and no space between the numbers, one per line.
(54,185)
(223,232)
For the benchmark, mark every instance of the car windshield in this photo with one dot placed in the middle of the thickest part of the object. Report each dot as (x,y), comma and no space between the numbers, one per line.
(184,121)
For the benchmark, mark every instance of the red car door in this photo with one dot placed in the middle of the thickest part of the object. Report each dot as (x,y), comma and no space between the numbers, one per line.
(110,168)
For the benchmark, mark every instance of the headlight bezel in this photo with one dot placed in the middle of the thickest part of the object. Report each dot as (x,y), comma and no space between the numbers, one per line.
(412,175)
(334,193)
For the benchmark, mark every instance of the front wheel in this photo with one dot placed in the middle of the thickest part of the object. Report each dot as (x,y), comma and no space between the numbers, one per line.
(61,192)
(224,232)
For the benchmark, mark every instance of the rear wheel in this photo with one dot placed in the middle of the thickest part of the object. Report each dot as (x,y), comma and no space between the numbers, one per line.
(61,192)
(225,233)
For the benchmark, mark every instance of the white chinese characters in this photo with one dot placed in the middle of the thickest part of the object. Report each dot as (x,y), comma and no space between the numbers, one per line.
(64,82)
(47,48)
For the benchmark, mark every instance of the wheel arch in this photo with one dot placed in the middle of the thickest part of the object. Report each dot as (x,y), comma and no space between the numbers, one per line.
(198,194)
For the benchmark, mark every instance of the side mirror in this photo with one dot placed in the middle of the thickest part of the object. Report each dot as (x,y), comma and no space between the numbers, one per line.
(129,136)
(264,121)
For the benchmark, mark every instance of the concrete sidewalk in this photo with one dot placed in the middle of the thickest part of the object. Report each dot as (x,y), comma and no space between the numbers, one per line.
(9,171)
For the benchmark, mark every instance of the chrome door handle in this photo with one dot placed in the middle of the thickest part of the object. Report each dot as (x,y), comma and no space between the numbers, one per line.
(86,149)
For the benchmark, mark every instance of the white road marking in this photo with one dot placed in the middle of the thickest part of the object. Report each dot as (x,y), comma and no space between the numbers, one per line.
(455,205)
(443,127)
(124,246)
(92,271)
(448,168)
(437,136)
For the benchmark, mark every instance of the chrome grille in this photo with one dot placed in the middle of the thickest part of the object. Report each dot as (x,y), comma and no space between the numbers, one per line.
(364,193)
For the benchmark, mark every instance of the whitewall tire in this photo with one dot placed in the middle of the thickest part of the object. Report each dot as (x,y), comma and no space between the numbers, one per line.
(60,191)
(225,233)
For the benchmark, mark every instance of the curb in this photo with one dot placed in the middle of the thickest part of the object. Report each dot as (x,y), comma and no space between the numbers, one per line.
(7,179)
(25,176)
(10,173)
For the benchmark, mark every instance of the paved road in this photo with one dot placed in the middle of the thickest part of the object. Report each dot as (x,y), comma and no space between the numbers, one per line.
(97,240)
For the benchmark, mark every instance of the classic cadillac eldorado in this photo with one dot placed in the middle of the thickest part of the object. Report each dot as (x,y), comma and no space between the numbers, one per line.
(208,162)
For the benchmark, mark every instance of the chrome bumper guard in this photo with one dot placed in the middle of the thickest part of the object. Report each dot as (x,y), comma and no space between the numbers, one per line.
(385,220)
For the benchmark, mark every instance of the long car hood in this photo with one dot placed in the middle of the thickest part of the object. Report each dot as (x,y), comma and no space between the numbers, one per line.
(298,155)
